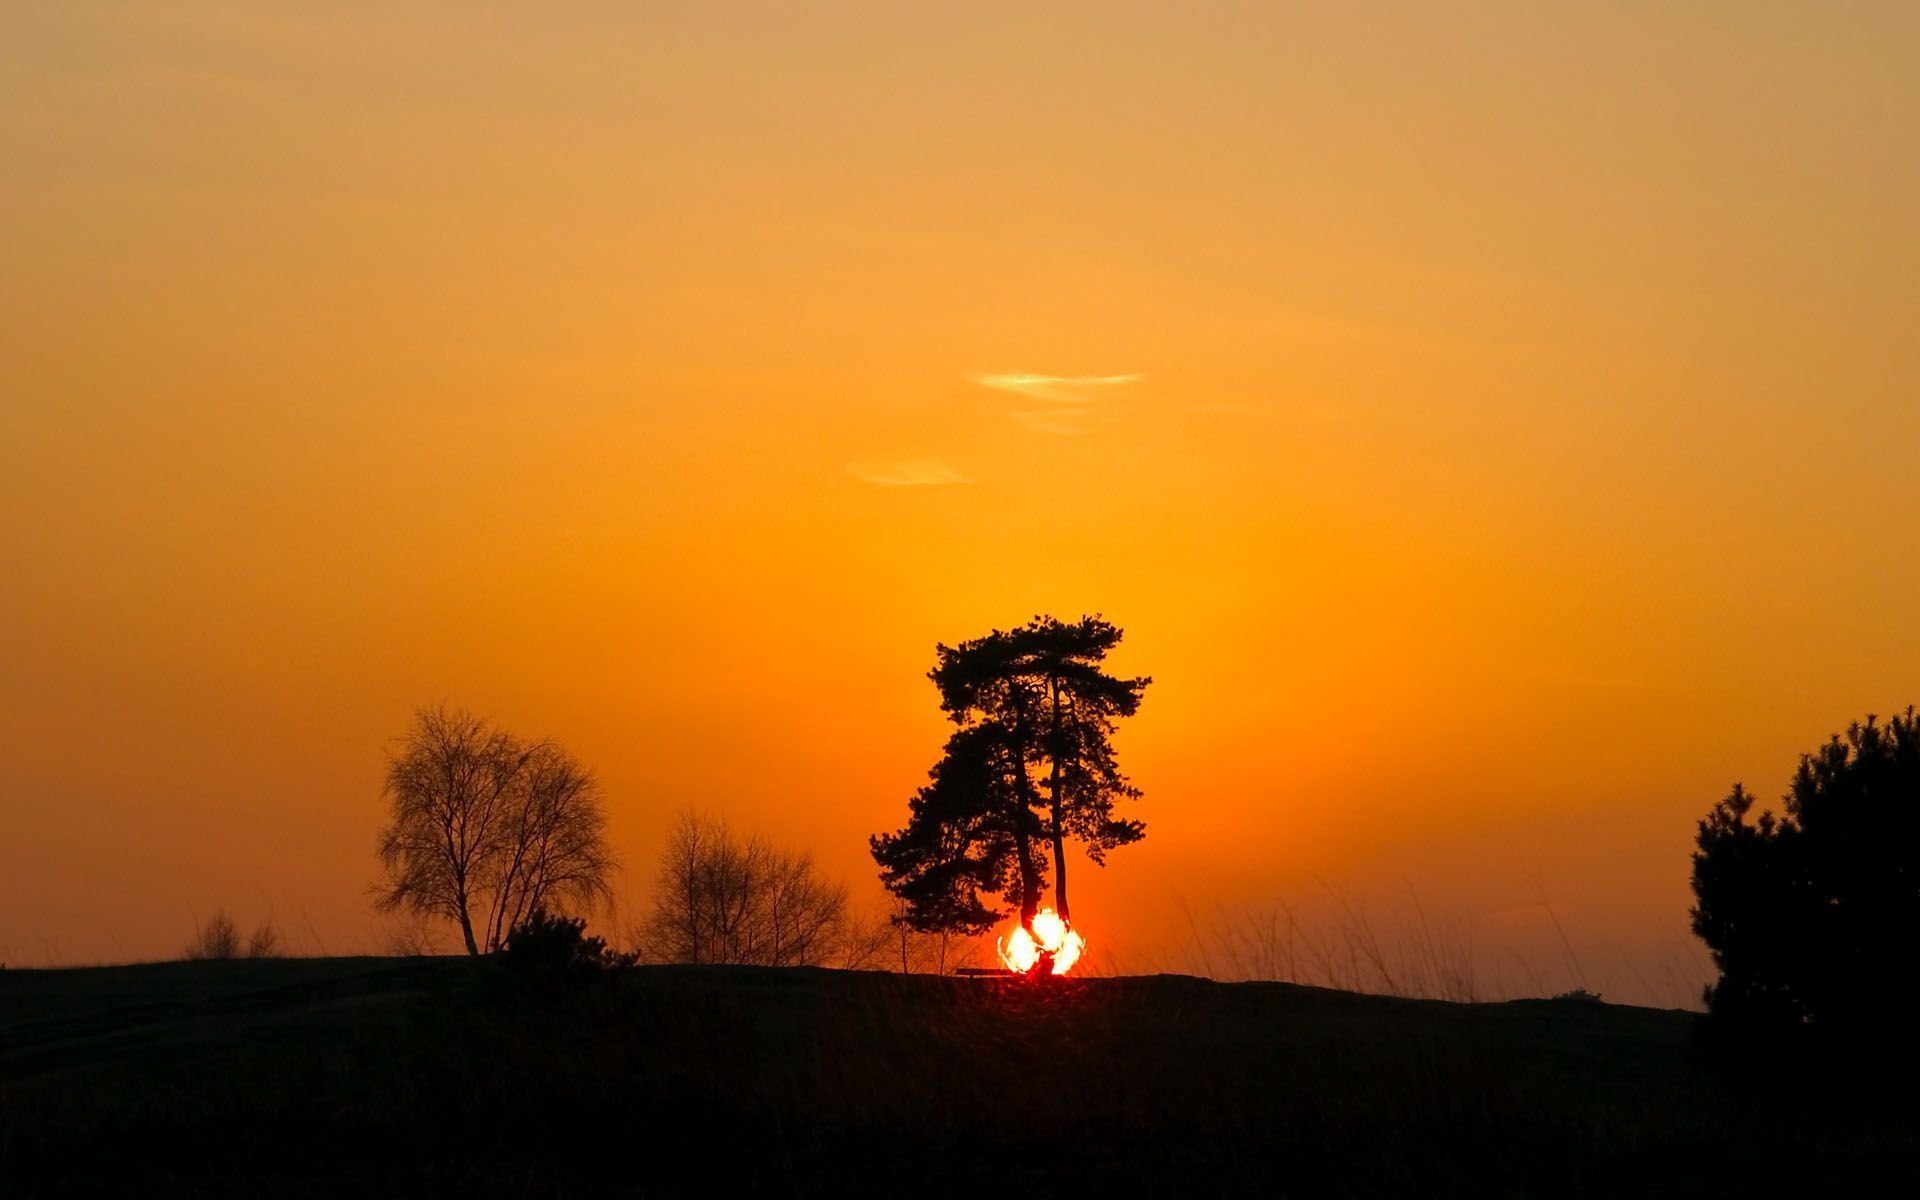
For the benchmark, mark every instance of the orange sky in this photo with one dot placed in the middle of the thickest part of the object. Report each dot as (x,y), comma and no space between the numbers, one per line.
(1521,444)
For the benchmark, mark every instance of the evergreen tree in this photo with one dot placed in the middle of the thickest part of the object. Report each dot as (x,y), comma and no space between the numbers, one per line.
(1812,916)
(1081,702)
(1031,766)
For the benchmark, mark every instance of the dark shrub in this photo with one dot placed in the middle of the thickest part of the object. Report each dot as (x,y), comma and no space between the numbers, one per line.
(549,942)
(218,939)
(1813,916)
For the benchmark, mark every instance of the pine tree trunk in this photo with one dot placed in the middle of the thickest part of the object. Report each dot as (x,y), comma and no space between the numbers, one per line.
(1060,871)
(1029,881)
(1055,743)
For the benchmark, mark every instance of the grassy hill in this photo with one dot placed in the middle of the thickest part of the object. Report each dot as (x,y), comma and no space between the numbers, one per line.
(441,1076)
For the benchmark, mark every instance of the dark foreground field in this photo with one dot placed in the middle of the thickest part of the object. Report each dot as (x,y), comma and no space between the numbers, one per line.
(350,1077)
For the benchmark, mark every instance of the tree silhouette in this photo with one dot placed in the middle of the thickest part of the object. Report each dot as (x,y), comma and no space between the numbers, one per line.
(968,834)
(218,939)
(487,828)
(1031,766)
(1812,916)
(723,899)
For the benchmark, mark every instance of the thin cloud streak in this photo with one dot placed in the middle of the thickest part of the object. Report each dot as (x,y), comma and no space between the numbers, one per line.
(1059,389)
(917,472)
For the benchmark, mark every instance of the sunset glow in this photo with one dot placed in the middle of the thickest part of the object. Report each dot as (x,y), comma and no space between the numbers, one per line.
(1449,405)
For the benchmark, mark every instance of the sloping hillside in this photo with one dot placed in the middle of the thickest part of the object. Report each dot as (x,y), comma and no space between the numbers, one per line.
(357,1076)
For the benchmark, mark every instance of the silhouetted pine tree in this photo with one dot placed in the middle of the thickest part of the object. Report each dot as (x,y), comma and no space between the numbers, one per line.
(1813,917)
(1030,766)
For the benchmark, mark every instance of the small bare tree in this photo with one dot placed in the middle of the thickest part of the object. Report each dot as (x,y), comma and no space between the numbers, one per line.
(486,828)
(264,942)
(882,940)
(218,938)
(554,848)
(868,944)
(720,899)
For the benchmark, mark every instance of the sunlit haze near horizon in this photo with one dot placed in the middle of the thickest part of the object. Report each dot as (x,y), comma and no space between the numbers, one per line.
(1494,426)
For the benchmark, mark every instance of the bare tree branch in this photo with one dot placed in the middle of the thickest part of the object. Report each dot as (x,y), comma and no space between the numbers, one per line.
(720,899)
(488,828)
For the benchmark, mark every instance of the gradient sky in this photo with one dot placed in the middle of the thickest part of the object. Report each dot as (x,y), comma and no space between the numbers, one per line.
(1496,429)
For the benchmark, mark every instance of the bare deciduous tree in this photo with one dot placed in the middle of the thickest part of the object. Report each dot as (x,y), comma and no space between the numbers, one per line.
(886,941)
(724,900)
(264,942)
(869,943)
(486,828)
(219,938)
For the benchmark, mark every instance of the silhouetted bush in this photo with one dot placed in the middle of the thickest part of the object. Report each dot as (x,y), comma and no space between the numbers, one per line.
(548,942)
(1813,916)
(218,938)
(264,942)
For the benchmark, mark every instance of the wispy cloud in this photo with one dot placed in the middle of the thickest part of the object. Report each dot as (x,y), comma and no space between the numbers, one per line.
(916,472)
(1059,389)
(1072,397)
